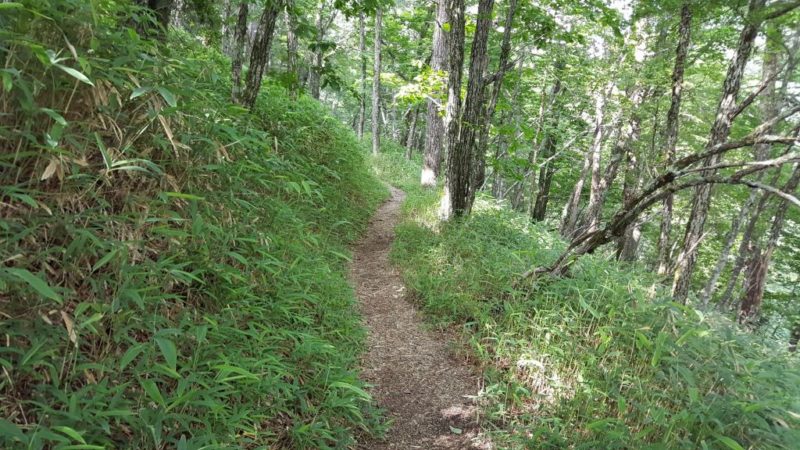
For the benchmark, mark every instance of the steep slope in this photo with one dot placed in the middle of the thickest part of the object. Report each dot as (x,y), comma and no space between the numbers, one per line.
(174,267)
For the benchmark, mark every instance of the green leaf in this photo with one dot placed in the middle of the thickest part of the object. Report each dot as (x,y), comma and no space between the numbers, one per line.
(150,387)
(9,429)
(455,430)
(74,73)
(55,116)
(355,389)
(730,443)
(12,5)
(139,91)
(36,283)
(169,351)
(129,356)
(168,96)
(71,433)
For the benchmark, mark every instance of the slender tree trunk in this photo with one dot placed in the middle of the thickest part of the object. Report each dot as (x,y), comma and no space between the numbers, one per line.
(291,48)
(260,53)
(590,171)
(769,108)
(240,40)
(435,134)
(376,85)
(489,109)
(228,42)
(315,76)
(455,62)
(757,273)
(730,239)
(461,162)
(412,130)
(628,244)
(671,131)
(719,134)
(362,51)
(549,143)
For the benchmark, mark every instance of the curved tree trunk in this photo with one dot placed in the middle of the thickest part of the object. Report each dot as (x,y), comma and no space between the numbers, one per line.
(720,131)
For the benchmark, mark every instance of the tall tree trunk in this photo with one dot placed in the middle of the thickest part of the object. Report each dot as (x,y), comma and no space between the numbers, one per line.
(260,53)
(240,41)
(730,239)
(757,273)
(228,42)
(376,85)
(435,134)
(628,244)
(628,134)
(315,75)
(488,112)
(549,142)
(590,171)
(744,245)
(769,108)
(291,48)
(719,134)
(455,63)
(671,131)
(460,158)
(362,51)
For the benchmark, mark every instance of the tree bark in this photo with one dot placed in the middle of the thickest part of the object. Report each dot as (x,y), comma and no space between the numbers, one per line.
(376,85)
(412,130)
(260,53)
(757,273)
(671,131)
(488,112)
(291,48)
(590,171)
(461,162)
(628,244)
(362,51)
(550,140)
(455,62)
(720,131)
(435,134)
(240,40)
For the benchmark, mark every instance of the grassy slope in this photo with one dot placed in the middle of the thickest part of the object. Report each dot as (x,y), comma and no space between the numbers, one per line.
(179,279)
(598,360)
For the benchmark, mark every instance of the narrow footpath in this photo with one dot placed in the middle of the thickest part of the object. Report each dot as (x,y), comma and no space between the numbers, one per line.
(424,390)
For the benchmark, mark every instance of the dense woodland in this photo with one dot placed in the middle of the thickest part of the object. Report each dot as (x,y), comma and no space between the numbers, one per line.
(602,204)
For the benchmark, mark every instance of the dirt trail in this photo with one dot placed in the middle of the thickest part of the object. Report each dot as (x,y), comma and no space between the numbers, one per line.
(422,387)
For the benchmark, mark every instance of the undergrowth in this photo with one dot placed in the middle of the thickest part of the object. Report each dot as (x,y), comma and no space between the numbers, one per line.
(173,266)
(600,359)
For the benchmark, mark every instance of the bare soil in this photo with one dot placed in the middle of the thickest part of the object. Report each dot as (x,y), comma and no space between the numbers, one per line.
(424,389)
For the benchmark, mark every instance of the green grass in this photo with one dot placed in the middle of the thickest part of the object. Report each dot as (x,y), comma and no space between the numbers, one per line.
(174,267)
(601,359)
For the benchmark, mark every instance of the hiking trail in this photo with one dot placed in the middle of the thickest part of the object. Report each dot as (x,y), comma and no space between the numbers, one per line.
(423,388)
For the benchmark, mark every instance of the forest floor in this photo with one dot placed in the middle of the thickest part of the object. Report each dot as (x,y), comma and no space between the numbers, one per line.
(426,392)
